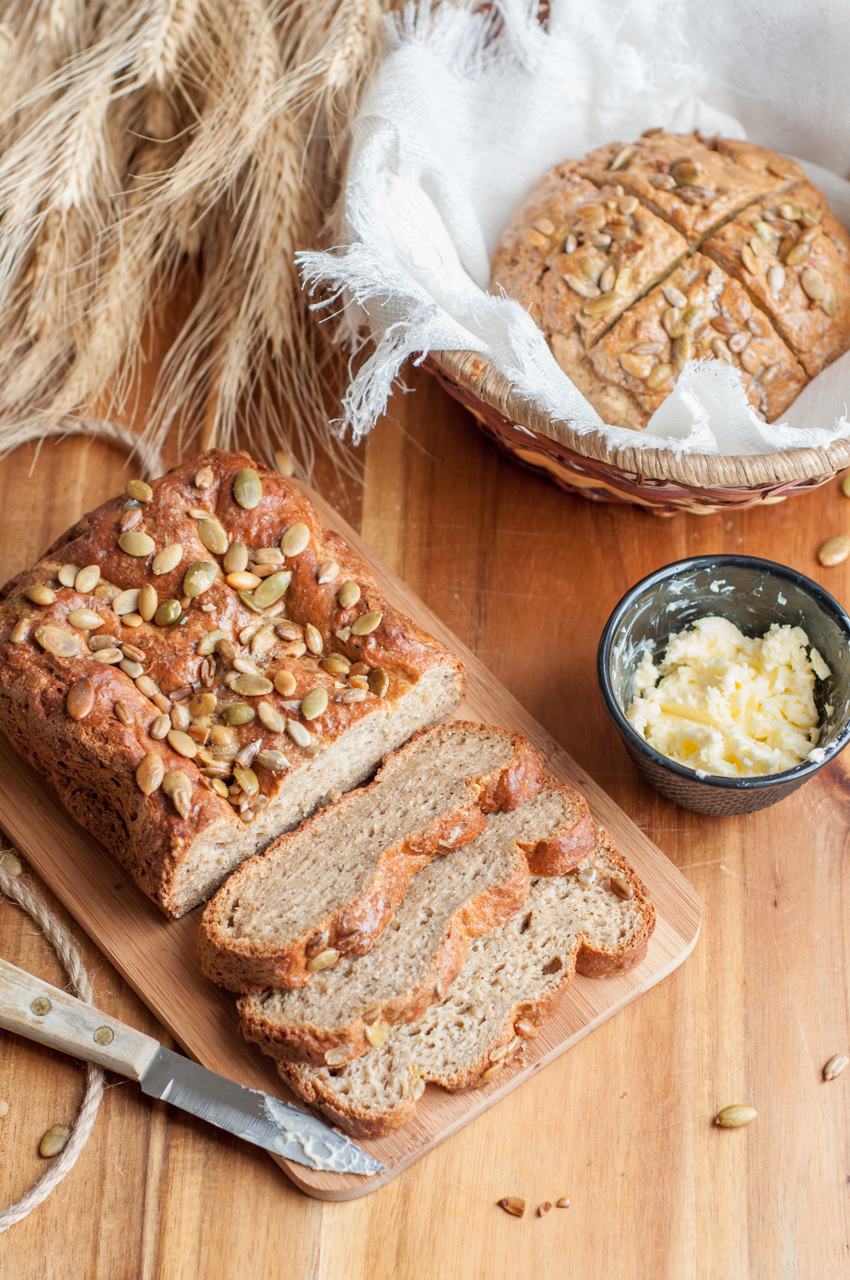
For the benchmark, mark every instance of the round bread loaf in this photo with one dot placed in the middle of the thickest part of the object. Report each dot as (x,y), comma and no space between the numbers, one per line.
(644,256)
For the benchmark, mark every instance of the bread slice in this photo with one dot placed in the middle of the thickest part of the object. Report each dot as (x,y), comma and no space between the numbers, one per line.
(597,920)
(331,887)
(346,1010)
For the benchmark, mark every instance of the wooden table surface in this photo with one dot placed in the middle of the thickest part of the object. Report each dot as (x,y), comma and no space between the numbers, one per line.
(526,576)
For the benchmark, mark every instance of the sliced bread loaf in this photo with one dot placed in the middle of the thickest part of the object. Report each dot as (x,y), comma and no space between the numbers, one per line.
(330,888)
(596,920)
(346,1010)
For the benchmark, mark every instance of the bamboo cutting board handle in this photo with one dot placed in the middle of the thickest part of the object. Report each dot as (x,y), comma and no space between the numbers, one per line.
(40,1012)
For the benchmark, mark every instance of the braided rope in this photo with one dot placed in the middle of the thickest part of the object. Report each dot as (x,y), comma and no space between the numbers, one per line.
(68,952)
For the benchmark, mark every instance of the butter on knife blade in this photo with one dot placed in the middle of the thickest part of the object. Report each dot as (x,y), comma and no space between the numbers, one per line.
(41,1012)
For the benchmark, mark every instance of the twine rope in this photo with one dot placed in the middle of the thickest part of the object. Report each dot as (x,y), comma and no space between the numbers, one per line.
(68,952)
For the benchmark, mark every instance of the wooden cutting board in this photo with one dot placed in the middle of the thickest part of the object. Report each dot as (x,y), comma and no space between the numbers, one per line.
(157,957)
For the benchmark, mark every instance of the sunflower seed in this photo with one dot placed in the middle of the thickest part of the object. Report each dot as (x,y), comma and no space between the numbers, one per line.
(674,296)
(814,285)
(295,540)
(135,543)
(534,238)
(238,713)
(148,687)
(639,366)
(101,642)
(263,640)
(273,719)
(131,519)
(58,642)
(734,1116)
(159,728)
(132,619)
(751,360)
(349,594)
(720,347)
(213,536)
(85,619)
(351,696)
(150,773)
(276,761)
(660,374)
(324,960)
(205,478)
(181,743)
(830,301)
(834,550)
(492,1071)
(563,1203)
(178,786)
(138,490)
(328,571)
(797,255)
(738,341)
(180,718)
(603,304)
(247,489)
(753,264)
(525,1030)
(621,159)
(622,888)
(284,682)
(835,1066)
(671,321)
(54,1140)
(199,578)
(80,699)
(123,712)
(299,734)
(167,613)
(167,559)
(131,669)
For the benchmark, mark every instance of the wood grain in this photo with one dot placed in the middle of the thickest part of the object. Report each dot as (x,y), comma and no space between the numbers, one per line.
(526,576)
(158,958)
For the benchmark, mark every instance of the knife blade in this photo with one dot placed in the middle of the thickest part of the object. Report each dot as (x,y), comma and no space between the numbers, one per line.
(44,1013)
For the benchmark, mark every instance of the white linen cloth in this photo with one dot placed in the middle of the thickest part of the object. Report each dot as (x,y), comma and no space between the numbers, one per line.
(469,109)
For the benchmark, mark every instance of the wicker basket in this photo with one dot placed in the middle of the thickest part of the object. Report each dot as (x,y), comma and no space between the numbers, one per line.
(657,479)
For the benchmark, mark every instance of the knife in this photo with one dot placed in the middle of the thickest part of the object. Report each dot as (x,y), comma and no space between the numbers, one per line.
(52,1017)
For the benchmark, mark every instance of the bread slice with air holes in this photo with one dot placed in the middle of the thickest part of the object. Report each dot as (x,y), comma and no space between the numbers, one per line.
(596,920)
(330,888)
(346,1009)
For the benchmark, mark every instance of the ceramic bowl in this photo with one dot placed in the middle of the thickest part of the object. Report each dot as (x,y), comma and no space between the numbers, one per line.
(752,593)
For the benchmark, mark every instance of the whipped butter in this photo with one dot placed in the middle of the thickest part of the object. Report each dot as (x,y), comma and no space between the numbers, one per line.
(723,703)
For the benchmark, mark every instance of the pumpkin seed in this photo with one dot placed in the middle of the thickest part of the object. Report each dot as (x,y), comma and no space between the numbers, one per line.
(87,579)
(199,578)
(738,341)
(337,665)
(248,600)
(181,743)
(534,238)
(720,347)
(351,696)
(798,254)
(271,717)
(238,713)
(328,571)
(639,366)
(295,540)
(109,656)
(684,173)
(138,490)
(167,559)
(67,574)
(58,642)
(135,543)
(790,210)
(660,374)
(167,613)
(40,594)
(178,786)
(20,631)
(834,550)
(753,264)
(263,640)
(751,360)
(379,682)
(276,761)
(235,557)
(80,699)
(247,780)
(349,594)
(203,704)
(272,588)
(683,351)
(212,535)
(54,1140)
(299,734)
(734,1116)
(160,727)
(603,304)
(692,317)
(132,619)
(814,285)
(251,686)
(314,704)
(126,602)
(204,478)
(284,462)
(313,638)
(376,1033)
(208,642)
(150,773)
(85,619)
(674,296)
(829,301)
(757,245)
(607,279)
(776,279)
(835,1066)
(622,159)
(284,682)
(324,960)
(367,622)
(247,489)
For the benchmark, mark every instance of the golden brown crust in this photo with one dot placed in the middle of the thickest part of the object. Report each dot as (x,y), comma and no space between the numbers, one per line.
(92,762)
(248,965)
(776,276)
(631,211)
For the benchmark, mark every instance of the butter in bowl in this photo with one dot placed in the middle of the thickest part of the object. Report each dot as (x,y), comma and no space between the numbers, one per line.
(728,679)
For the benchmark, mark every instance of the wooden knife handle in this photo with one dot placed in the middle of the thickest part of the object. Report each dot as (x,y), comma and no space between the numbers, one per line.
(34,1009)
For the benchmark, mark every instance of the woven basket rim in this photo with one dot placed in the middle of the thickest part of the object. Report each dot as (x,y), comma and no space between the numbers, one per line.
(475,373)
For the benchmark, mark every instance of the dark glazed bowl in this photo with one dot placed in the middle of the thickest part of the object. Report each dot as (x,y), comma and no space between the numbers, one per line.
(751,593)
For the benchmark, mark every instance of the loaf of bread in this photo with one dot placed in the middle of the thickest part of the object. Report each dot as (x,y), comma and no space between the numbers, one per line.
(596,920)
(199,666)
(645,256)
(330,888)
(348,1008)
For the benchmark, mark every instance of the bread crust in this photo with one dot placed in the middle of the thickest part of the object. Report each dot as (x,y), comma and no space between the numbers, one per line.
(247,965)
(594,248)
(92,762)
(530,1014)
